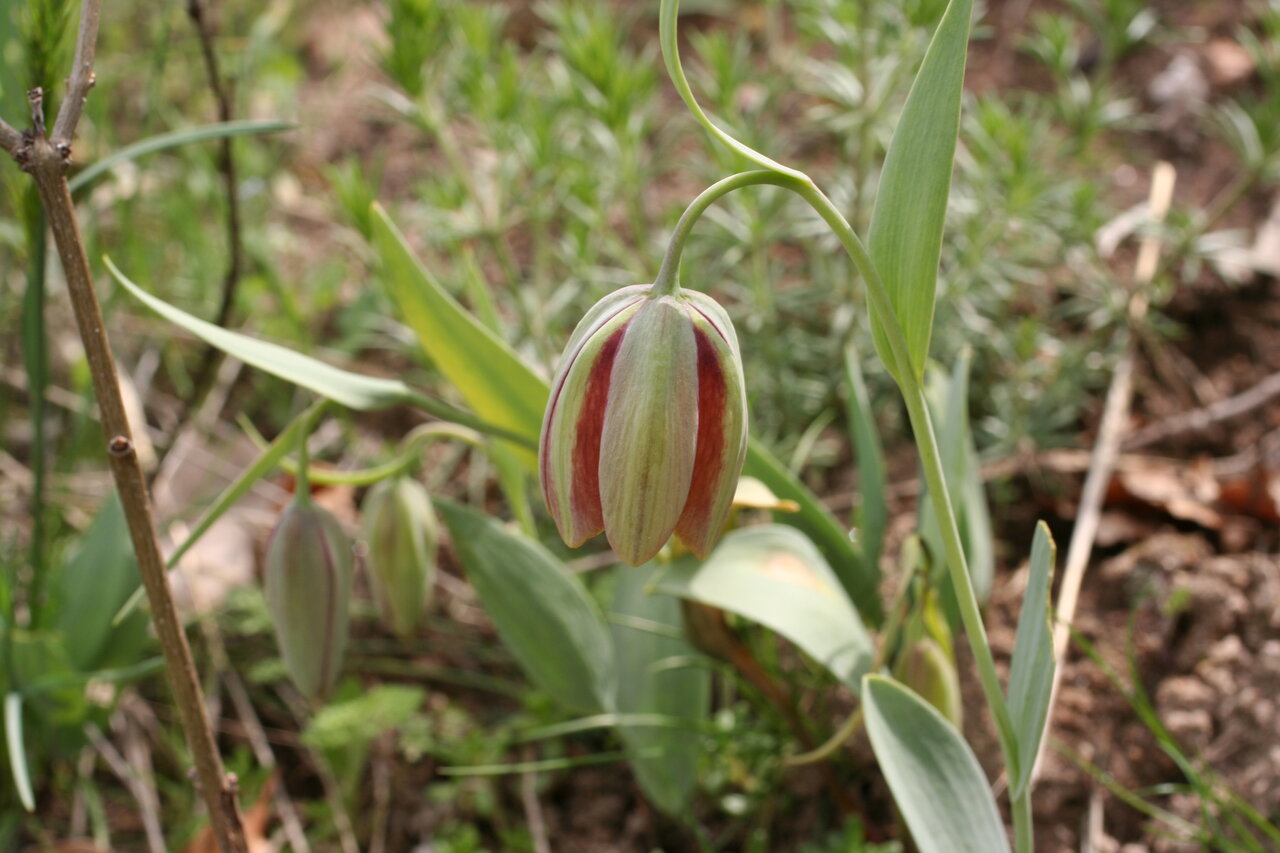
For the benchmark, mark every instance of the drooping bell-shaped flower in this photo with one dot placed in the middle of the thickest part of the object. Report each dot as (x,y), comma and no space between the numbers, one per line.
(307,574)
(645,433)
(400,531)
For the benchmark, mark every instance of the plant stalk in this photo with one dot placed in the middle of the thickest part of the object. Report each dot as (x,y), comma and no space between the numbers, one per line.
(47,165)
(45,158)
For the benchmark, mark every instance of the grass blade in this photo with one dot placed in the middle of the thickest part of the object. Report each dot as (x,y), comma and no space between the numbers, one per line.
(176,139)
(872,518)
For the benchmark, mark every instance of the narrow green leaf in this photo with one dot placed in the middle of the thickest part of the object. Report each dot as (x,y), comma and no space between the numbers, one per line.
(176,139)
(948,398)
(775,576)
(1031,672)
(665,756)
(99,576)
(905,239)
(542,611)
(353,390)
(873,510)
(816,521)
(491,377)
(363,393)
(16,750)
(933,774)
(543,766)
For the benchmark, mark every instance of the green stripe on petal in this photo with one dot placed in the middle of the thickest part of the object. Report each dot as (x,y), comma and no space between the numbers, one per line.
(650,430)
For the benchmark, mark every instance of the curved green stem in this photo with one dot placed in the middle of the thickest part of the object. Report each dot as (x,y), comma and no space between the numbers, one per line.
(668,280)
(409,454)
(900,366)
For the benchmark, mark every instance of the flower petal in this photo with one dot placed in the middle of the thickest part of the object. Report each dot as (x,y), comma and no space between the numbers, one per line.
(650,427)
(722,436)
(569,450)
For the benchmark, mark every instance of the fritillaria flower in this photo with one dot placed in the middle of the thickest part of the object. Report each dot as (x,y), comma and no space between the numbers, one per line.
(645,433)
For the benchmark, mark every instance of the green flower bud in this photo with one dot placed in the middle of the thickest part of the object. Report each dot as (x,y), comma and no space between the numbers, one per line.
(925,668)
(401,532)
(308,571)
(646,429)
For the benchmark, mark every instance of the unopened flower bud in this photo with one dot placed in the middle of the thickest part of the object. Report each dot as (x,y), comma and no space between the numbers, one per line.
(308,587)
(646,429)
(924,667)
(401,532)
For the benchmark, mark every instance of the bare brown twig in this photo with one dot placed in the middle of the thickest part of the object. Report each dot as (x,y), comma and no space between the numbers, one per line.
(46,159)
(204,373)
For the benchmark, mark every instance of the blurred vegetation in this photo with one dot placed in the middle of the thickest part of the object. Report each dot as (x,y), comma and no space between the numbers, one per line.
(536,154)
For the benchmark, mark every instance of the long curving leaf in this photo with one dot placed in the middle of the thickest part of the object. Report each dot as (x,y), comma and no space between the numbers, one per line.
(905,238)
(936,781)
(353,390)
(491,377)
(543,613)
(774,575)
(813,519)
(1031,672)
(176,139)
(665,756)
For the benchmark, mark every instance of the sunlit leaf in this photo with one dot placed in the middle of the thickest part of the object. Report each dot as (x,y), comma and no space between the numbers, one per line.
(1031,673)
(936,781)
(775,576)
(542,611)
(817,522)
(905,239)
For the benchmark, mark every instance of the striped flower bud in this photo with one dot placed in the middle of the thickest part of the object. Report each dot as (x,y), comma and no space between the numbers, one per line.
(401,532)
(646,430)
(308,586)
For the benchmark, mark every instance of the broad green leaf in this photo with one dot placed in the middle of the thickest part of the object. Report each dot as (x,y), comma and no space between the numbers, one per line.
(666,757)
(542,611)
(177,138)
(99,576)
(14,743)
(905,239)
(873,510)
(775,576)
(353,390)
(1031,673)
(491,377)
(816,521)
(936,781)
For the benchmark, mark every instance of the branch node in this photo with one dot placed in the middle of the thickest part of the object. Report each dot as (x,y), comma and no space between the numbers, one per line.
(120,446)
(35,99)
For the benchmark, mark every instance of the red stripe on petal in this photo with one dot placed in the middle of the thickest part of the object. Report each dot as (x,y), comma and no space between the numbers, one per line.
(708,461)
(584,488)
